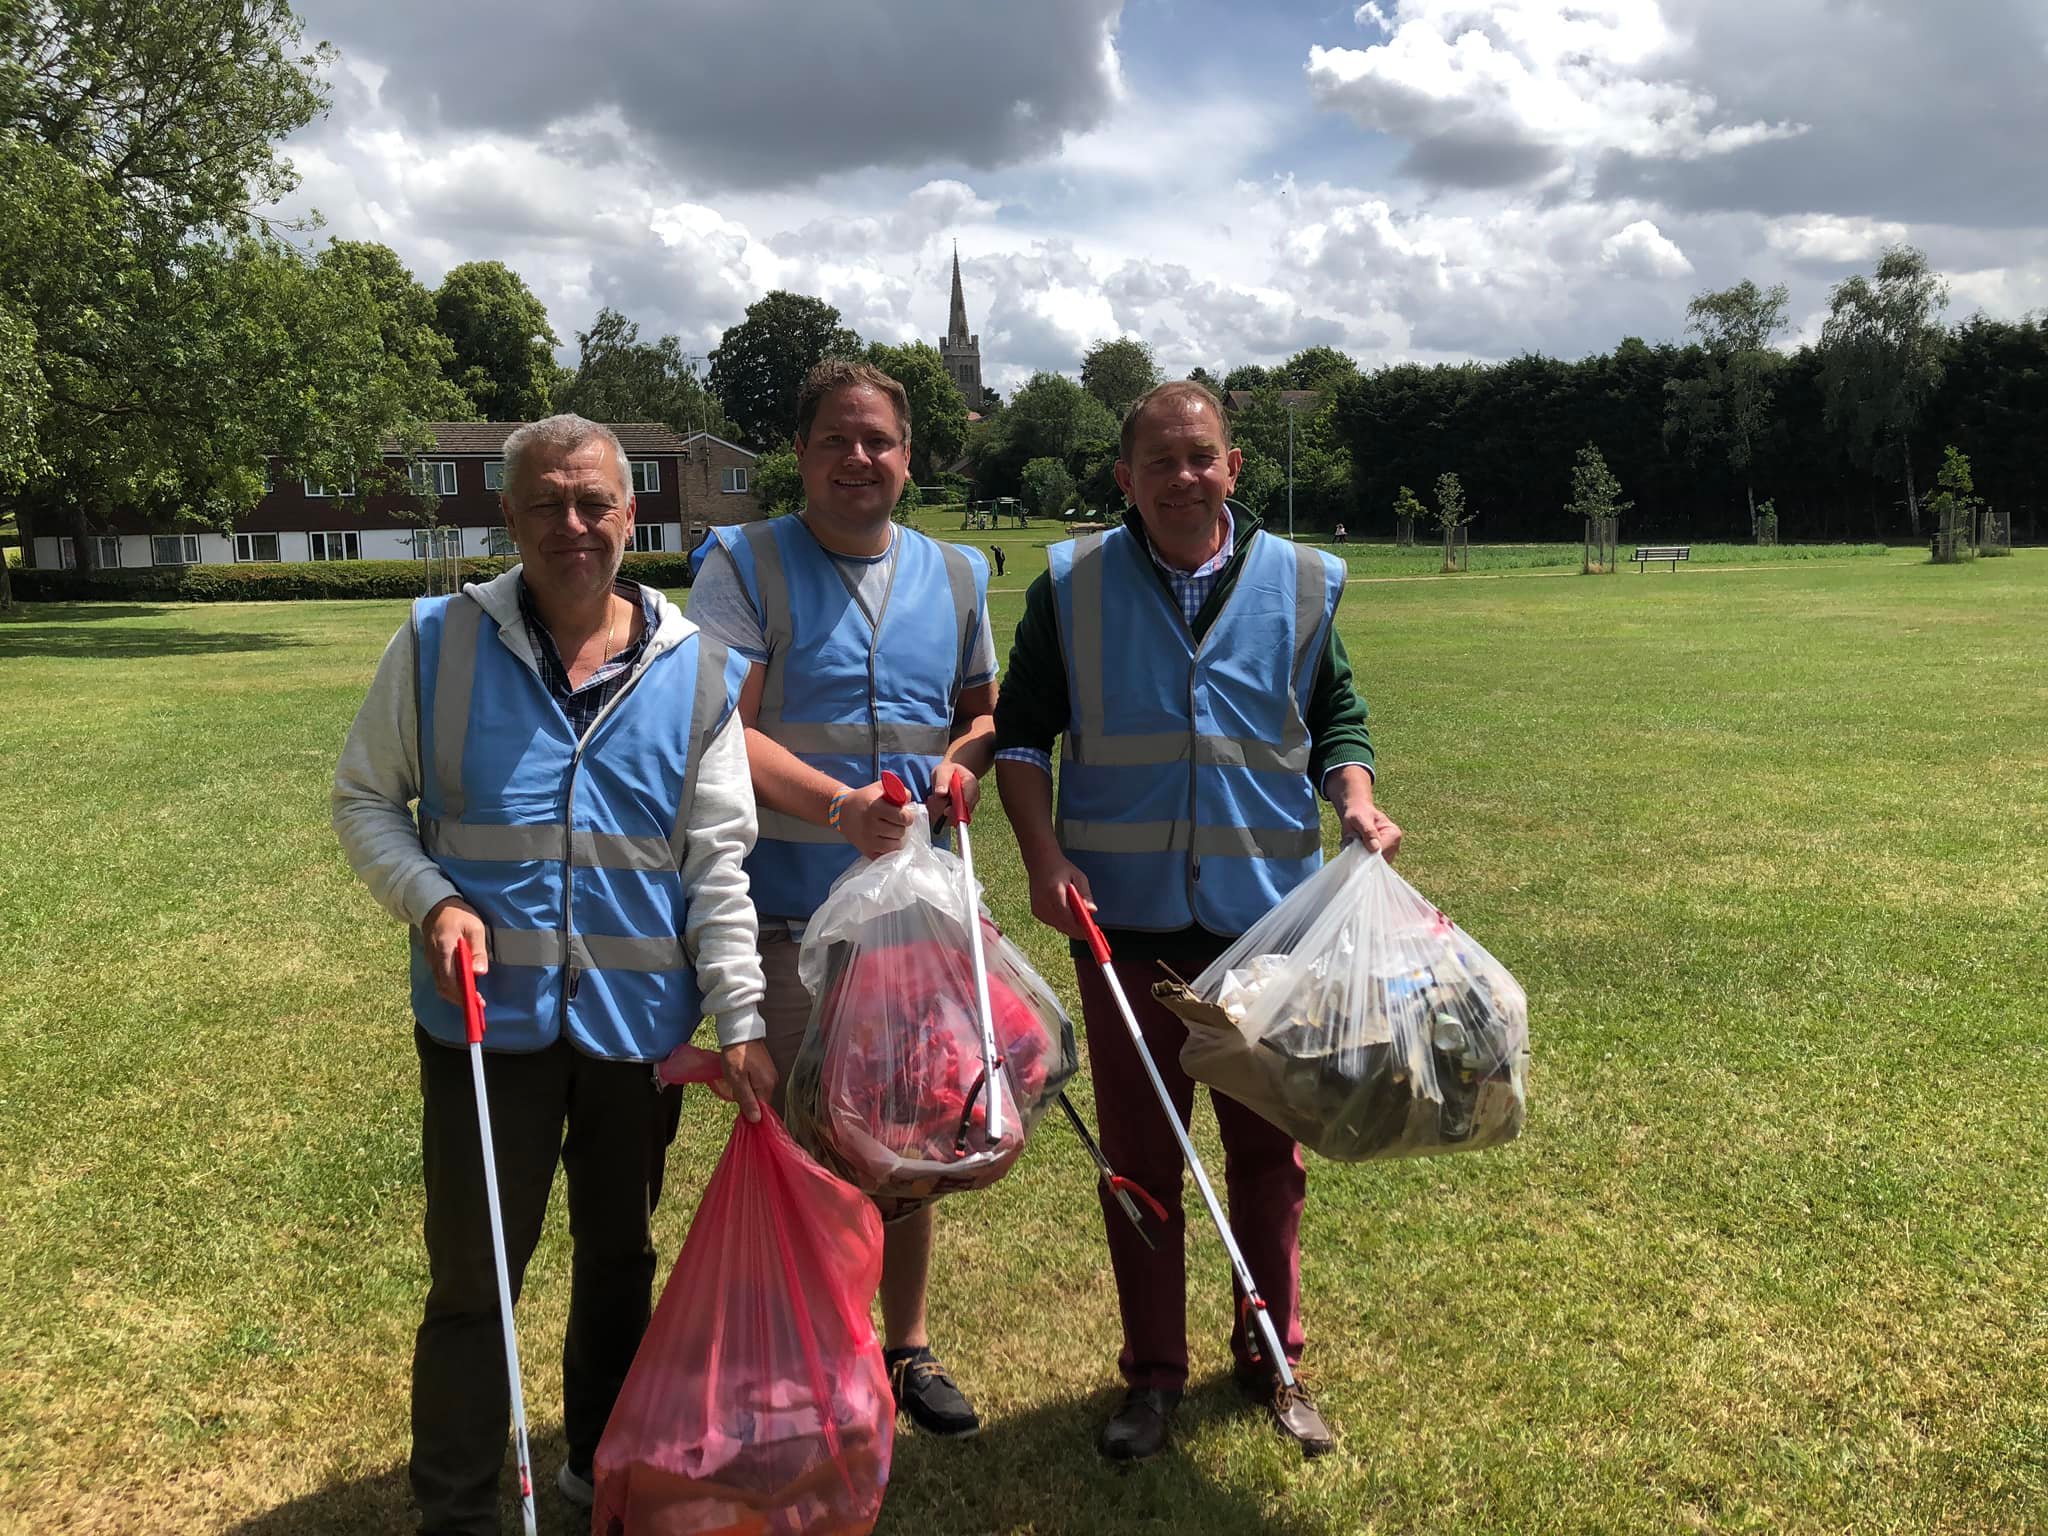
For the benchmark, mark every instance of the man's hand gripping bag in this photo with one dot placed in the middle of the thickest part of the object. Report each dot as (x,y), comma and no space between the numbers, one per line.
(758,1402)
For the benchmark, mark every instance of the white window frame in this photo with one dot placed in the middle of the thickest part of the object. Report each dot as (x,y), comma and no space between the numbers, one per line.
(351,544)
(437,543)
(732,480)
(494,474)
(650,482)
(188,546)
(108,546)
(320,492)
(498,544)
(647,539)
(440,472)
(245,549)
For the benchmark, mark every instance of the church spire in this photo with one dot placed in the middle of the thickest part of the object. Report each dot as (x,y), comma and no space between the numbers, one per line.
(960,349)
(956,326)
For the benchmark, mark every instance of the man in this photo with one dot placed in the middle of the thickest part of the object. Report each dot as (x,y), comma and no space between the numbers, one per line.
(584,814)
(870,650)
(1190,664)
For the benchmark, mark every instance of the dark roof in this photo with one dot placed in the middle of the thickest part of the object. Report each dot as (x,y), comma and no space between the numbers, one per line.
(488,437)
(1301,399)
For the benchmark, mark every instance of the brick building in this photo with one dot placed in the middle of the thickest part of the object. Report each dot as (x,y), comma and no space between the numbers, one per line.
(682,485)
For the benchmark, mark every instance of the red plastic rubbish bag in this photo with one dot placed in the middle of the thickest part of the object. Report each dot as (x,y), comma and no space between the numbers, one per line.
(889,1089)
(758,1402)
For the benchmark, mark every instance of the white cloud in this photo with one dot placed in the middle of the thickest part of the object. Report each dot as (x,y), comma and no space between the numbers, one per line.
(1641,250)
(1829,240)
(1495,94)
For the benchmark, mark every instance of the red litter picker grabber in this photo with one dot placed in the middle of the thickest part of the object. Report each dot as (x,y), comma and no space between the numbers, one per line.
(1253,1301)
(473,1023)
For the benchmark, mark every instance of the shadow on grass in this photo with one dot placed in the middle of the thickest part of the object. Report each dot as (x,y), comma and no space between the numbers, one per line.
(63,632)
(1038,1471)
(82,613)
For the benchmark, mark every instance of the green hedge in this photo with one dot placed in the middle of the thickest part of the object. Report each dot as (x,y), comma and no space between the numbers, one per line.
(298,581)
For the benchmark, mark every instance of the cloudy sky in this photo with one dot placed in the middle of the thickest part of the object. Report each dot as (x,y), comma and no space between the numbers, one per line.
(1406,179)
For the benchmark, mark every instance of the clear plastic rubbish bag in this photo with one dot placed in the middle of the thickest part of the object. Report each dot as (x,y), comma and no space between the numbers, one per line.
(758,1404)
(1363,1022)
(889,1089)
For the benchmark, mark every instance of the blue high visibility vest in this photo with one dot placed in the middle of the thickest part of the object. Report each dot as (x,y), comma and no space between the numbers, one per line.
(848,697)
(1183,789)
(570,850)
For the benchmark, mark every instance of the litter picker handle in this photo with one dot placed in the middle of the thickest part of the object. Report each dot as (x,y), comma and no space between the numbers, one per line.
(957,790)
(472,1004)
(894,790)
(1097,944)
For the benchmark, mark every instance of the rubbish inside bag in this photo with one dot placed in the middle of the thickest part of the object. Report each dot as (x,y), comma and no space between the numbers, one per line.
(1362,1021)
(889,1089)
(758,1401)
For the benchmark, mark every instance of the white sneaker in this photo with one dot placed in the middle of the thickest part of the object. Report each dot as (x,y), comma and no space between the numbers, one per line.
(576,1490)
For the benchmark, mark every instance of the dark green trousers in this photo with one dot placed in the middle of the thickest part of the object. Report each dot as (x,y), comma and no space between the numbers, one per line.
(610,1129)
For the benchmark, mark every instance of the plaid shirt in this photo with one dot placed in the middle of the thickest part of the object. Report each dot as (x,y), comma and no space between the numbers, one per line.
(1193,587)
(583,705)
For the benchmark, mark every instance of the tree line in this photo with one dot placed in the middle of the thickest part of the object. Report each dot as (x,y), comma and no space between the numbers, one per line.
(163,338)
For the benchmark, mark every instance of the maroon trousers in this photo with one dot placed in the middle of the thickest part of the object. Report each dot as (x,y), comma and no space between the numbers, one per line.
(1263,1179)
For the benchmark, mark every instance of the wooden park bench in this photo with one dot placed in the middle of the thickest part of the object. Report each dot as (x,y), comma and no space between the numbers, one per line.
(1645,553)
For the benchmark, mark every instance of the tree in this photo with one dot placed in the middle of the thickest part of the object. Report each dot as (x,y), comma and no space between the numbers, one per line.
(1450,511)
(504,347)
(1050,417)
(1249,376)
(177,338)
(759,364)
(1732,400)
(778,482)
(1596,497)
(1315,368)
(1954,507)
(1048,488)
(1209,381)
(1408,510)
(619,377)
(407,326)
(991,402)
(1881,347)
(1260,481)
(1117,371)
(938,416)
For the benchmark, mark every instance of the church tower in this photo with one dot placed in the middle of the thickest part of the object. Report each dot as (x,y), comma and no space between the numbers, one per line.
(961,351)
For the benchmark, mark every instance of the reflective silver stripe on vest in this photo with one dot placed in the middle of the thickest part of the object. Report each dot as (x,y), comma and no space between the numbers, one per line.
(1308,623)
(960,580)
(707,713)
(784,828)
(860,740)
(586,951)
(1085,575)
(778,630)
(1167,748)
(452,685)
(484,842)
(1177,836)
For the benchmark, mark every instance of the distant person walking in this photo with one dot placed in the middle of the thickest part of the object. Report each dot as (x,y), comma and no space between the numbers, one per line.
(997,551)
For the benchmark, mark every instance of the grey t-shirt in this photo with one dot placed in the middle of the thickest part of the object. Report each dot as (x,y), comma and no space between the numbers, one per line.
(719,606)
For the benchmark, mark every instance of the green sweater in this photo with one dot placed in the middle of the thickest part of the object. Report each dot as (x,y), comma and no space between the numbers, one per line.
(1032,709)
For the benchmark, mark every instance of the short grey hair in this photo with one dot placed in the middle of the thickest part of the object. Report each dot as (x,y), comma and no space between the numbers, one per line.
(563,433)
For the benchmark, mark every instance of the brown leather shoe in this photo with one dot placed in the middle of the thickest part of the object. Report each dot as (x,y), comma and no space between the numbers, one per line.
(1292,1410)
(1140,1426)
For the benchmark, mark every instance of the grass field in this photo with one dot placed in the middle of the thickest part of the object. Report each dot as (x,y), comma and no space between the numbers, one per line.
(1765,845)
